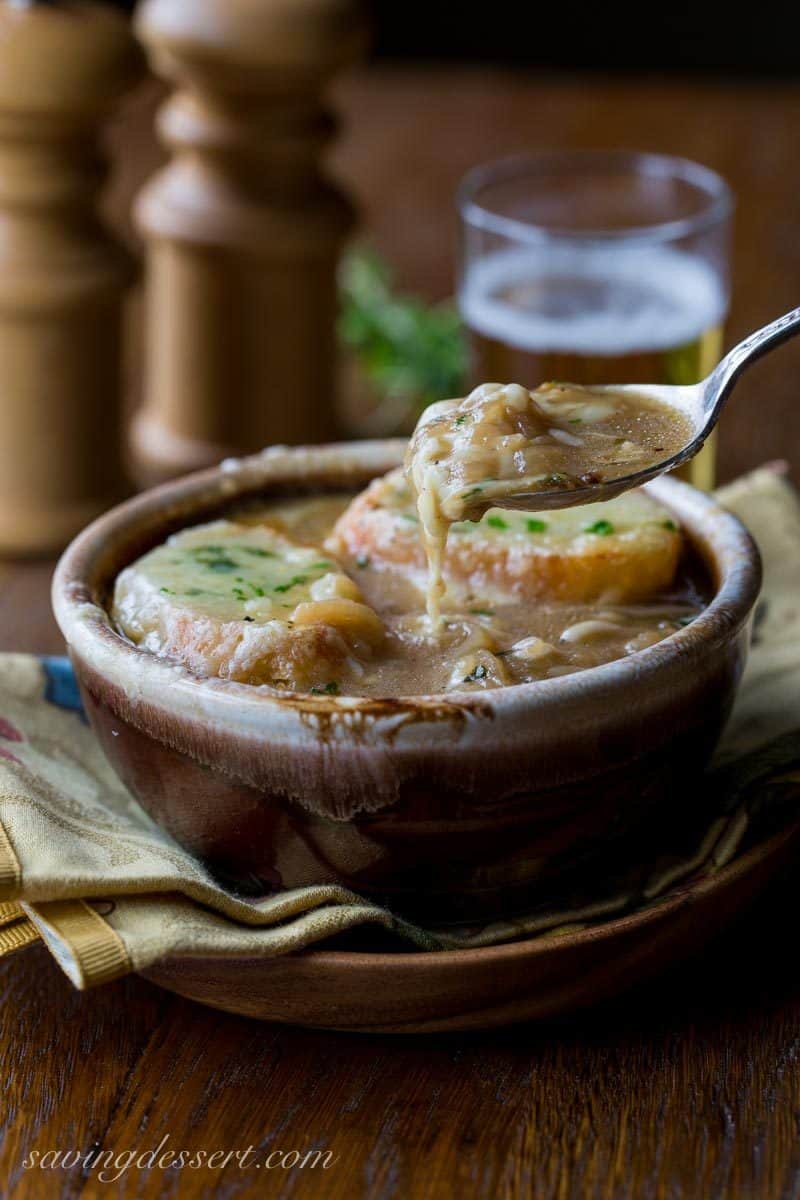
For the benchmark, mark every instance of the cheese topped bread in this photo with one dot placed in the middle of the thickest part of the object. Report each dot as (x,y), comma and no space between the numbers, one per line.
(622,550)
(245,602)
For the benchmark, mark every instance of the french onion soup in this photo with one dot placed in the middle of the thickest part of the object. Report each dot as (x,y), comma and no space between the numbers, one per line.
(326,594)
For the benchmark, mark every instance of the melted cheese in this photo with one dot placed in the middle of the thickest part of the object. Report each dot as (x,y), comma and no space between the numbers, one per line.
(224,570)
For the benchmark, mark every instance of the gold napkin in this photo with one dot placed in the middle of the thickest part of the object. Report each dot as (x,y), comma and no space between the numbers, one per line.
(84,869)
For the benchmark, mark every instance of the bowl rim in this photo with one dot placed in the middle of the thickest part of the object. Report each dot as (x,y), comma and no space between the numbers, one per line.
(724,543)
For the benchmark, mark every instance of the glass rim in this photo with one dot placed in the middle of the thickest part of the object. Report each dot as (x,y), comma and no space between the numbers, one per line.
(720,201)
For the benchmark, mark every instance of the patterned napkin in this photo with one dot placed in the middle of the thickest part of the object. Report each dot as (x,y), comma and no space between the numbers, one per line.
(84,869)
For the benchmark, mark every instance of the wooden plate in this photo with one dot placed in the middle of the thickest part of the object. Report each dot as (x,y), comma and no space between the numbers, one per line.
(479,989)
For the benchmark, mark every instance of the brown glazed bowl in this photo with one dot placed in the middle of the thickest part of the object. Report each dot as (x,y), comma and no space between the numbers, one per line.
(455,806)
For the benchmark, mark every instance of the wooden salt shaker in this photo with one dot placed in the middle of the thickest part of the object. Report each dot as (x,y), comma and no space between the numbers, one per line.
(243,231)
(62,65)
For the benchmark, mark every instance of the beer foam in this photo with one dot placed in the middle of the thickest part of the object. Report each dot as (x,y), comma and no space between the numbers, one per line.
(628,299)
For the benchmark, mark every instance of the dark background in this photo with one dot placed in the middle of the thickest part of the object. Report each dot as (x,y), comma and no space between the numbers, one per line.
(735,39)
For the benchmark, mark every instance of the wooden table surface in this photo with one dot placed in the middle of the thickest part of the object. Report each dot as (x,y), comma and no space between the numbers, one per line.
(687,1088)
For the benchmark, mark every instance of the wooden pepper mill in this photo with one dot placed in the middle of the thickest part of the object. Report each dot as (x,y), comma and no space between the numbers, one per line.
(243,231)
(62,66)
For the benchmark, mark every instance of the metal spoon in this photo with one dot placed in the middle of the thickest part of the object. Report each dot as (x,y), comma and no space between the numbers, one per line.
(701,403)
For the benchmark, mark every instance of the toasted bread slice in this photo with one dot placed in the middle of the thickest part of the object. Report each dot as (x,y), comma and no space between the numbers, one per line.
(621,551)
(244,602)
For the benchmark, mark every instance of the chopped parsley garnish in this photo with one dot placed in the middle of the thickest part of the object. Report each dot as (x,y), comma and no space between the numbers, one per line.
(215,562)
(256,590)
(602,528)
(576,420)
(293,582)
(330,689)
(321,566)
(497,522)
(459,421)
(534,525)
(482,612)
(217,558)
(239,593)
(477,673)
(670,525)
(167,591)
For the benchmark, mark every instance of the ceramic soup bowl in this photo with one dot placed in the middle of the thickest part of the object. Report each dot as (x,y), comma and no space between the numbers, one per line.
(456,805)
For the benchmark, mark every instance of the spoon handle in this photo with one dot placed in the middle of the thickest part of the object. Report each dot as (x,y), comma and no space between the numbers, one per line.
(722,379)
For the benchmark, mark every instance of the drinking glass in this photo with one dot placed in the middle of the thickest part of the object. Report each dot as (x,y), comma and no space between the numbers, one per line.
(595,267)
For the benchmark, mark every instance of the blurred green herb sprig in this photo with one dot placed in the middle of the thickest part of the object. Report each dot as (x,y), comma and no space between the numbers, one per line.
(403,345)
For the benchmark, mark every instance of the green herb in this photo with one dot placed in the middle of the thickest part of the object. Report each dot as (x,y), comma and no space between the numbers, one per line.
(576,420)
(321,566)
(462,420)
(404,346)
(363,561)
(167,591)
(239,593)
(215,558)
(497,522)
(330,689)
(482,612)
(285,587)
(257,591)
(478,673)
(670,525)
(221,563)
(601,528)
(256,551)
(534,525)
